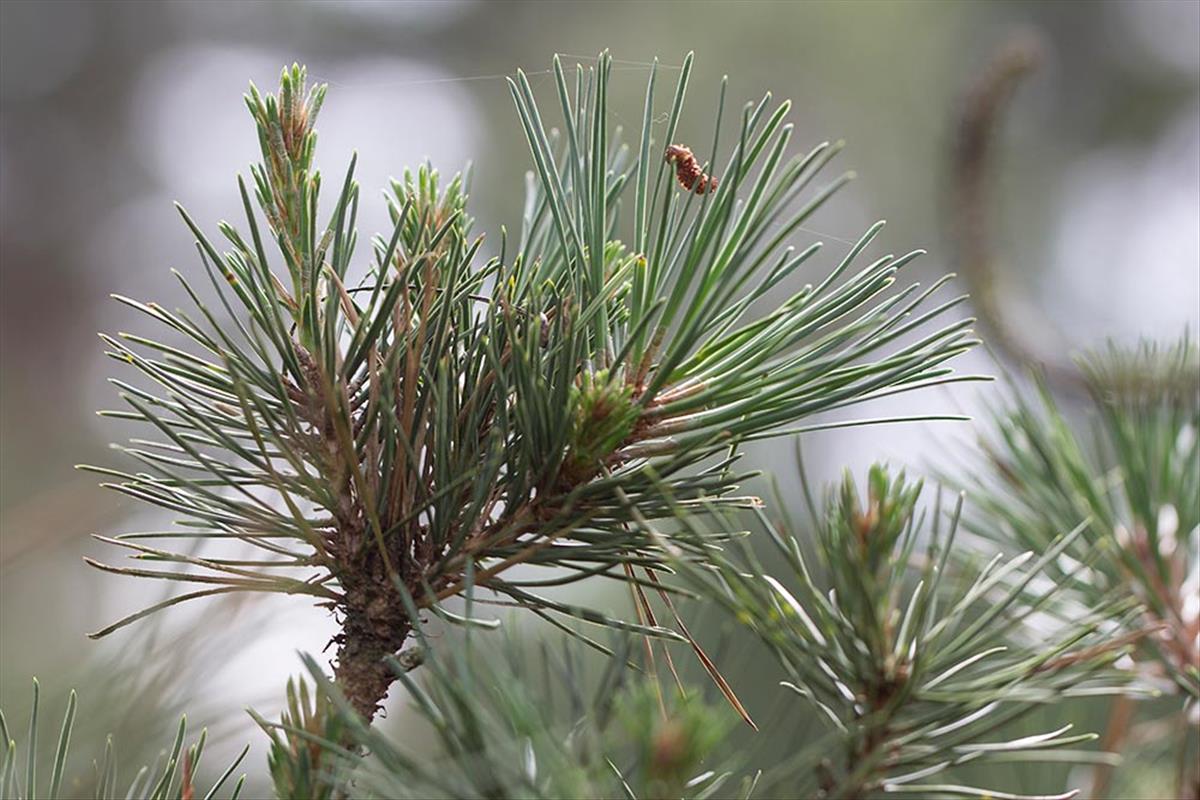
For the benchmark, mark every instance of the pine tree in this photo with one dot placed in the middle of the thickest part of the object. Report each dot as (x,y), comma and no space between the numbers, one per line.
(393,436)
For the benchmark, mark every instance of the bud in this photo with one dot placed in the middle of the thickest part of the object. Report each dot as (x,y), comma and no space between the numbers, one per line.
(603,415)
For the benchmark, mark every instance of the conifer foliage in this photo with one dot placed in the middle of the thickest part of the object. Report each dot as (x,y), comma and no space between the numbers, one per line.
(444,414)
(407,431)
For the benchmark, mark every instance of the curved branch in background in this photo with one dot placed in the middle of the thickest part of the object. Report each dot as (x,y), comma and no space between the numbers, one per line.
(980,117)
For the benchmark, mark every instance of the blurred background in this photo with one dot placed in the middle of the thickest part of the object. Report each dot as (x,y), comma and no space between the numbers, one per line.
(109,112)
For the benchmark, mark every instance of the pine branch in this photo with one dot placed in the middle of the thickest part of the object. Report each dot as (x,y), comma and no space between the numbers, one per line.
(1132,480)
(305,743)
(907,664)
(510,724)
(1131,477)
(173,781)
(452,415)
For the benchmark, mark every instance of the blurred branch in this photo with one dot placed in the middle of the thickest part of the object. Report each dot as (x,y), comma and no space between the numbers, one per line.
(1119,718)
(1133,478)
(971,214)
(172,775)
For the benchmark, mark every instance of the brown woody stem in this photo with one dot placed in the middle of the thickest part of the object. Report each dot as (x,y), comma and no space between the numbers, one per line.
(374,629)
